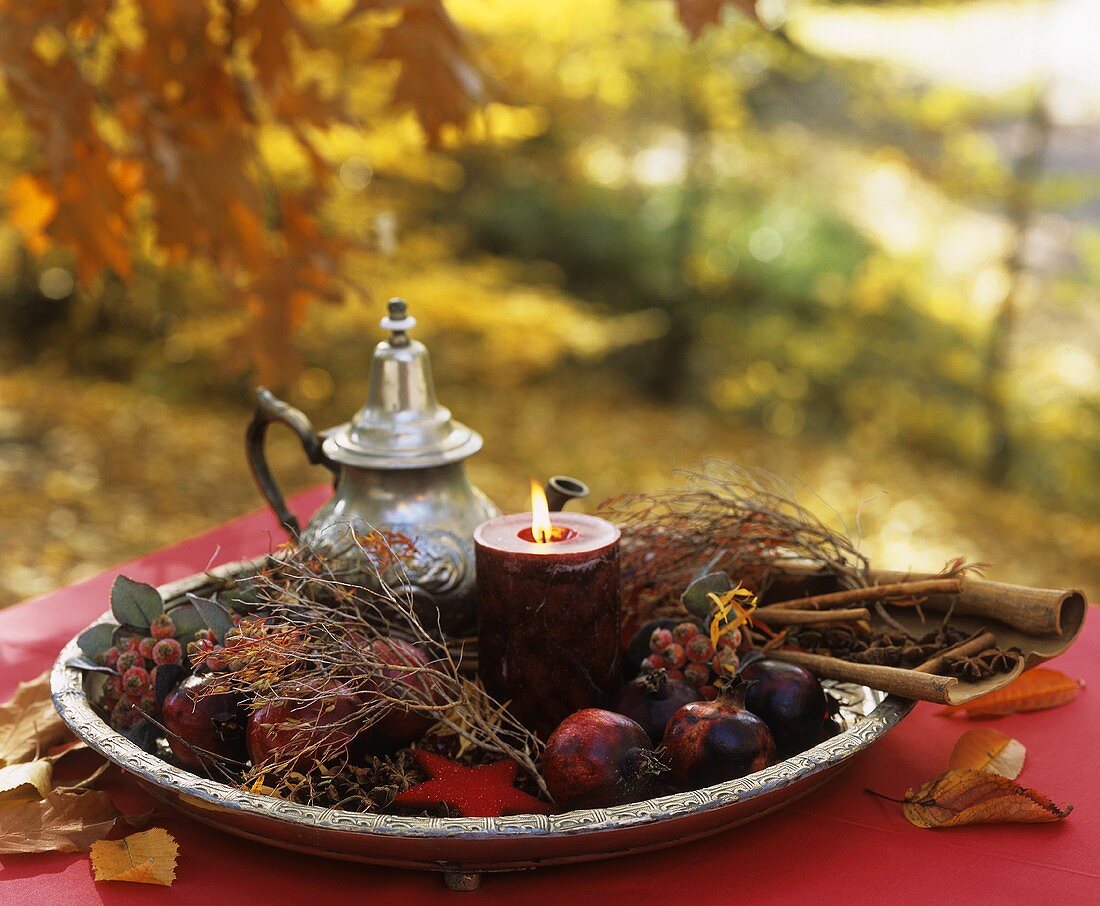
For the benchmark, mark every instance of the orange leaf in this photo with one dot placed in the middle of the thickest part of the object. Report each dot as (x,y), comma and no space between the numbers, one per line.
(988,750)
(977,797)
(1034,690)
(62,822)
(695,15)
(145,858)
(32,207)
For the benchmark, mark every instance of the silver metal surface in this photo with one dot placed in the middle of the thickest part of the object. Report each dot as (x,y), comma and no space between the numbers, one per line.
(474,843)
(399,467)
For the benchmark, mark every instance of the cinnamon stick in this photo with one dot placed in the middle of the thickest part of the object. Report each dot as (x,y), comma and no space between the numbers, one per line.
(781,616)
(870,593)
(966,647)
(895,680)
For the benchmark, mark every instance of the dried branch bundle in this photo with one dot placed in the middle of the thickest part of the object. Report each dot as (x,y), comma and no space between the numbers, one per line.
(743,521)
(321,644)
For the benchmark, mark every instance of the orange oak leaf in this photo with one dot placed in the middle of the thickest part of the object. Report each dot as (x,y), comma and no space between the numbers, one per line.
(988,750)
(696,15)
(964,797)
(62,822)
(1034,690)
(148,857)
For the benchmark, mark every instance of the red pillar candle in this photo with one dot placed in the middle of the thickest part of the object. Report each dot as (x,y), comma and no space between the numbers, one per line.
(548,615)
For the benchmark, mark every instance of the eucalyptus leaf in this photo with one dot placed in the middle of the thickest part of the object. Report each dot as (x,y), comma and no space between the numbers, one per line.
(97,639)
(213,614)
(82,663)
(167,677)
(188,622)
(695,597)
(135,603)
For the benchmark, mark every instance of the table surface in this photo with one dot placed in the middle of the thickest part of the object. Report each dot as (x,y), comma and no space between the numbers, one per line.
(838,845)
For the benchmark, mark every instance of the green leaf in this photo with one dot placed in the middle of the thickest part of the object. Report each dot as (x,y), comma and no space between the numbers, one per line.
(83,663)
(97,639)
(695,597)
(135,603)
(213,614)
(188,621)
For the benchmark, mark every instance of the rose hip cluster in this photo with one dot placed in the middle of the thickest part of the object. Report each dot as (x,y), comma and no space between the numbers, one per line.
(136,661)
(687,653)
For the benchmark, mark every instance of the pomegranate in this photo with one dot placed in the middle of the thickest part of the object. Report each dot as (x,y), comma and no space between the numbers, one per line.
(308,723)
(399,725)
(198,719)
(789,699)
(652,698)
(711,741)
(598,758)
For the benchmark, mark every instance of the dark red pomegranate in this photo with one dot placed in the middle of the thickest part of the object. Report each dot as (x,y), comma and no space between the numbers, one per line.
(305,724)
(399,725)
(598,758)
(711,741)
(198,718)
(789,699)
(652,698)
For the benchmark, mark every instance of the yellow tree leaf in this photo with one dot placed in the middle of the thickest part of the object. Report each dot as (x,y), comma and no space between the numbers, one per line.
(31,208)
(148,857)
(988,750)
(62,822)
(29,723)
(1034,690)
(977,797)
(29,780)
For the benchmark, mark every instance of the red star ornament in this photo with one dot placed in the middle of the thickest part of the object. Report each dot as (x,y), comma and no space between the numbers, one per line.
(483,791)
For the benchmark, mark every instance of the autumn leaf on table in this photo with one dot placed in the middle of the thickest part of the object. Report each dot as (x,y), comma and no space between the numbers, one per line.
(988,750)
(27,780)
(957,798)
(29,723)
(1034,690)
(148,857)
(61,822)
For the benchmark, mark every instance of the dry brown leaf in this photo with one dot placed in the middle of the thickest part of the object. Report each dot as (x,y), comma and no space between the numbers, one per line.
(62,822)
(145,858)
(977,797)
(1034,690)
(29,780)
(29,723)
(988,750)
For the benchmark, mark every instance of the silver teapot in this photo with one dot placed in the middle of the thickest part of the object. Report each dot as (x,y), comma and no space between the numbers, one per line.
(398,467)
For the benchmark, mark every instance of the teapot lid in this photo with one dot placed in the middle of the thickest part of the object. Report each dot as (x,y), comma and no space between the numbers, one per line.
(402,425)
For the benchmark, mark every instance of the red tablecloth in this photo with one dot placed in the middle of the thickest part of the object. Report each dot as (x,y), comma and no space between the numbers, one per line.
(838,845)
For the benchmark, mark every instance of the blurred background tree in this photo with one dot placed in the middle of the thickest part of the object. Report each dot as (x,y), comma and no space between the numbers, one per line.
(856,243)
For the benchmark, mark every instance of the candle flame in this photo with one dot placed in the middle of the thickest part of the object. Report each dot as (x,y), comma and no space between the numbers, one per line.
(542,529)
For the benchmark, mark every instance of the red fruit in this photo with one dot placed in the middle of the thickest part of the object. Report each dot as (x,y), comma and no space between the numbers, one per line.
(674,655)
(674,674)
(710,693)
(598,758)
(199,718)
(110,657)
(654,662)
(709,742)
(660,640)
(652,698)
(124,715)
(789,699)
(684,633)
(145,647)
(730,639)
(725,661)
(129,659)
(114,687)
(162,627)
(697,674)
(167,651)
(407,680)
(304,725)
(149,704)
(129,643)
(699,650)
(135,683)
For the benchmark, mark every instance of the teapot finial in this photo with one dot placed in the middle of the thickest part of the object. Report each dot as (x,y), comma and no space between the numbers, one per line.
(398,321)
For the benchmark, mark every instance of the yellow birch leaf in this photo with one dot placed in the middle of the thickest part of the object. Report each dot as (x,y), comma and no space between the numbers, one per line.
(988,750)
(29,723)
(148,857)
(29,780)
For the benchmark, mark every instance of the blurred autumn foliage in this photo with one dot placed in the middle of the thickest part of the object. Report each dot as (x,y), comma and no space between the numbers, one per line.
(801,234)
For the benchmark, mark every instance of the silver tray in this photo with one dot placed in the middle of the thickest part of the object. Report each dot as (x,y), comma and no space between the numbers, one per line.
(464,847)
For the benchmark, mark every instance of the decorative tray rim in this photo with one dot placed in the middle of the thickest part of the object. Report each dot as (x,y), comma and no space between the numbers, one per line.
(71,701)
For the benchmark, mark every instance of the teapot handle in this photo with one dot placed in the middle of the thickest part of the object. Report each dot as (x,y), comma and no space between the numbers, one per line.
(271,409)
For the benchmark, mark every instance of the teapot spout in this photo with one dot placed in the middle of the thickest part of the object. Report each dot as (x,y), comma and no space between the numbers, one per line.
(560,489)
